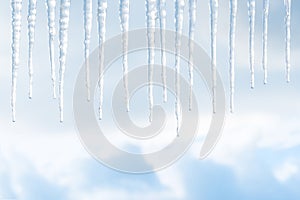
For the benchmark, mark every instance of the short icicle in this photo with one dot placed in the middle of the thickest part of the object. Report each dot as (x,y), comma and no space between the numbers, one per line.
(124,18)
(265,39)
(51,7)
(63,45)
(251,13)
(88,16)
(214,5)
(151,15)
(233,13)
(179,8)
(162,21)
(31,31)
(288,4)
(192,16)
(16,6)
(102,9)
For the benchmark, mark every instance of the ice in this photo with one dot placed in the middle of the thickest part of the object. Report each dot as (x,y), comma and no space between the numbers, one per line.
(192,16)
(265,39)
(63,46)
(251,13)
(88,16)
(214,4)
(179,8)
(51,7)
(162,21)
(151,15)
(124,17)
(102,8)
(31,28)
(16,6)
(233,13)
(287,4)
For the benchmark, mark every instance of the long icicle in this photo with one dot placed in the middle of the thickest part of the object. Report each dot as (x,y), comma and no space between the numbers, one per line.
(162,21)
(287,4)
(88,16)
(31,29)
(214,5)
(51,7)
(102,9)
(179,8)
(233,13)
(16,6)
(192,16)
(124,18)
(265,39)
(251,13)
(63,45)
(151,14)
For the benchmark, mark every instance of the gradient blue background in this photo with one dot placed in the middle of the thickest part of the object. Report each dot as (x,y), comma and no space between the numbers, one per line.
(256,158)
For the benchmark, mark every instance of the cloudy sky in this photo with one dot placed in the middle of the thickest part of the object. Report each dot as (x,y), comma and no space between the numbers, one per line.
(256,158)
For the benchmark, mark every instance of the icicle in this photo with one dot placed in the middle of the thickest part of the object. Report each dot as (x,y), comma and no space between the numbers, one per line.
(63,45)
(179,8)
(87,37)
(151,15)
(51,5)
(192,15)
(102,7)
(265,39)
(287,4)
(251,13)
(31,29)
(162,21)
(16,6)
(233,12)
(214,5)
(124,17)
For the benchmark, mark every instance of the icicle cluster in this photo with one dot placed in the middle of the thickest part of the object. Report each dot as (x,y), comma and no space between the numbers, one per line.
(192,16)
(287,4)
(154,9)
(16,6)
(63,45)
(179,8)
(233,12)
(51,5)
(151,15)
(251,13)
(87,9)
(214,6)
(162,21)
(31,28)
(102,7)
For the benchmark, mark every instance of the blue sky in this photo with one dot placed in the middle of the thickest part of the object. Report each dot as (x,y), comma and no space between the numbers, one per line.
(256,158)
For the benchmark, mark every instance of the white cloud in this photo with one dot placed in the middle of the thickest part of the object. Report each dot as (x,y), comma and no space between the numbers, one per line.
(172,187)
(244,134)
(285,172)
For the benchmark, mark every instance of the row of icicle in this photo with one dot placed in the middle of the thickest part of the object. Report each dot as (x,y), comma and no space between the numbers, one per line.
(154,9)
